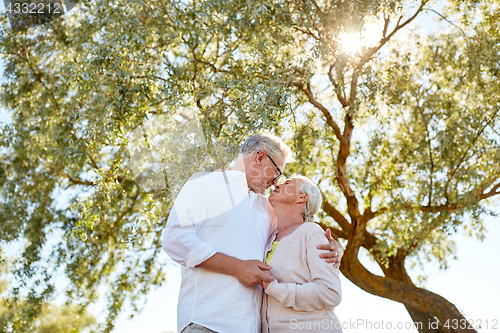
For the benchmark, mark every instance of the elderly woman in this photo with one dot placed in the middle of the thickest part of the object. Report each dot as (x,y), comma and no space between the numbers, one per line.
(306,290)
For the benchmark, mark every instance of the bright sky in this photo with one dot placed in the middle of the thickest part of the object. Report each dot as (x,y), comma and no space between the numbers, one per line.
(471,283)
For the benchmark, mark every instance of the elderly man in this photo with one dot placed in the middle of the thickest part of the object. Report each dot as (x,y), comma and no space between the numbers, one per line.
(219,230)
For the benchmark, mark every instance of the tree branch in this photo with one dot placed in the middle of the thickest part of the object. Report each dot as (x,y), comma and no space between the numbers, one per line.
(387,20)
(430,153)
(369,240)
(76,181)
(324,110)
(476,194)
(337,216)
(336,233)
(490,193)
(338,88)
(307,32)
(444,18)
(342,180)
(369,214)
(128,210)
(450,175)
(371,51)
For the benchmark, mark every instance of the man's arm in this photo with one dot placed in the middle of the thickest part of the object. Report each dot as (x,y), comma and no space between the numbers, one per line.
(248,272)
(182,244)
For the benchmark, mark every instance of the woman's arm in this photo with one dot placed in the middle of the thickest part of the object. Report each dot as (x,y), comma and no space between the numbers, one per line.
(324,291)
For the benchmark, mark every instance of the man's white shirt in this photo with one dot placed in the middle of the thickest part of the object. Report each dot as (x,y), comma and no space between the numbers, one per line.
(215,212)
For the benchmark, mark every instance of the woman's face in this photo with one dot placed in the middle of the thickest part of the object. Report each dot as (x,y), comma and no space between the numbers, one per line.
(287,192)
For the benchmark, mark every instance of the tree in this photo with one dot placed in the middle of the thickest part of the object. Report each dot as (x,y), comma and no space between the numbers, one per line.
(401,133)
(52,318)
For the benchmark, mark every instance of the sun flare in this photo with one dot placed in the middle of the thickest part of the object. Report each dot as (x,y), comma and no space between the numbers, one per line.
(352,43)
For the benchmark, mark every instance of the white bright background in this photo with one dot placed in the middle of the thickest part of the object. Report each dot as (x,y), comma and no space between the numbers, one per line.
(471,283)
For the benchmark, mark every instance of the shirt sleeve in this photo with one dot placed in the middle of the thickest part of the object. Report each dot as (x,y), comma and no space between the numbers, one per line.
(324,291)
(180,240)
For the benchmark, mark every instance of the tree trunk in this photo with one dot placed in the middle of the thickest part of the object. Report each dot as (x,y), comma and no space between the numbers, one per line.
(424,306)
(397,270)
(426,320)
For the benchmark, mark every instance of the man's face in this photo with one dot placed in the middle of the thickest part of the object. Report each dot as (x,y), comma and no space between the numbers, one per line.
(261,172)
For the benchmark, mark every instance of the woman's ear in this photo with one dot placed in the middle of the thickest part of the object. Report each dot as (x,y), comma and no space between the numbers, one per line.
(304,197)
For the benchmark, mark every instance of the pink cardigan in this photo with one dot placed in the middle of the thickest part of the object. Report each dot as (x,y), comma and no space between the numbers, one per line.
(306,289)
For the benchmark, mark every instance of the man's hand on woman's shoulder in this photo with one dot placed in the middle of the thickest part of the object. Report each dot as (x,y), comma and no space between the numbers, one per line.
(336,251)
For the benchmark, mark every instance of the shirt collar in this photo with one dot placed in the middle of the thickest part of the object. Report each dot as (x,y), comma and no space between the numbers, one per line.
(237,176)
(240,178)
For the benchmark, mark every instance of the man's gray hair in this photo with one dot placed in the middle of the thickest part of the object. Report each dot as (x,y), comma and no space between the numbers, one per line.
(314,203)
(268,143)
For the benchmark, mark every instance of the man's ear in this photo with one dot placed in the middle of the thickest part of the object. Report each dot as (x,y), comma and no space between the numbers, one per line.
(259,157)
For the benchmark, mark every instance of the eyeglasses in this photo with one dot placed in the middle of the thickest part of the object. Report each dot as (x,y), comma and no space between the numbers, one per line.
(280,173)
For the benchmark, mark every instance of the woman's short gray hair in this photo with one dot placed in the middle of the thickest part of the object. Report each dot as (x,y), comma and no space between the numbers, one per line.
(268,143)
(314,203)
